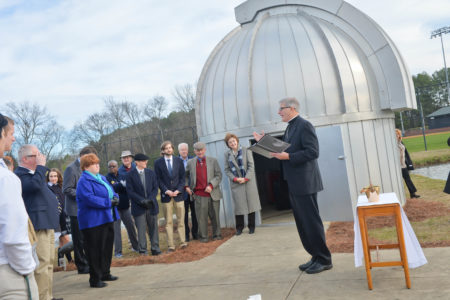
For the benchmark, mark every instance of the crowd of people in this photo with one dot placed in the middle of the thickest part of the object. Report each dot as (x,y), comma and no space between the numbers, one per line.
(36,202)
(86,209)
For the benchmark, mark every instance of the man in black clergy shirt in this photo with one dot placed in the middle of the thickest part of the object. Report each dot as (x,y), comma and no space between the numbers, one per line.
(301,171)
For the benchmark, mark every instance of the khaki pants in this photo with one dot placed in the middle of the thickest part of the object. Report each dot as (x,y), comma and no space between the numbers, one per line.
(168,215)
(46,253)
(14,286)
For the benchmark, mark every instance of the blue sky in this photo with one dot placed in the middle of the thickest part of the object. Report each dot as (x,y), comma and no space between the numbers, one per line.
(69,55)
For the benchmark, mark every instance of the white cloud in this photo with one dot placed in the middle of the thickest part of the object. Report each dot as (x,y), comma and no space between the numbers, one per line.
(70,54)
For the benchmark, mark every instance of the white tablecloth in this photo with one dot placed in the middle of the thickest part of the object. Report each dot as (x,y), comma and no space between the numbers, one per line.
(414,252)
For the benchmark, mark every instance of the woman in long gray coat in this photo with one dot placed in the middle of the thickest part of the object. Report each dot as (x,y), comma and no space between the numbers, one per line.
(240,169)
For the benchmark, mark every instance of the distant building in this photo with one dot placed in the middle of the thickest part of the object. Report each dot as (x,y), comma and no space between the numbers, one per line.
(440,118)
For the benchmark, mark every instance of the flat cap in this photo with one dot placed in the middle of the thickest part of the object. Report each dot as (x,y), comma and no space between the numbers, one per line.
(140,157)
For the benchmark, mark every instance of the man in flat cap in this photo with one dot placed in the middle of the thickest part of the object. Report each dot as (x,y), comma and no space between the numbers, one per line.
(142,188)
(203,176)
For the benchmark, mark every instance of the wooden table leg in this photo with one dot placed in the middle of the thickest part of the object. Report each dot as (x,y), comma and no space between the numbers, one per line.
(401,242)
(366,250)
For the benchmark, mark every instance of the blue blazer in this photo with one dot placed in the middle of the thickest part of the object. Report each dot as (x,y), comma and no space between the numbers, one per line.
(94,205)
(167,182)
(301,171)
(40,202)
(136,193)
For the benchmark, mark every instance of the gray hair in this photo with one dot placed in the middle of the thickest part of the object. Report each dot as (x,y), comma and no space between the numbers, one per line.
(290,102)
(113,161)
(25,150)
(199,146)
(182,145)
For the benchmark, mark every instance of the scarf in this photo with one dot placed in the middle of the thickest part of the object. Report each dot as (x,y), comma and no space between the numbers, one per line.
(239,161)
(99,179)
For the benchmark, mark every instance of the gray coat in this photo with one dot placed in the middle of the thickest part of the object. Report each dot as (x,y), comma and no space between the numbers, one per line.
(71,176)
(245,195)
(214,175)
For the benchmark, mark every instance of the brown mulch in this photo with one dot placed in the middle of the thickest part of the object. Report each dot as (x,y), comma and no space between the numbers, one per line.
(340,235)
(194,251)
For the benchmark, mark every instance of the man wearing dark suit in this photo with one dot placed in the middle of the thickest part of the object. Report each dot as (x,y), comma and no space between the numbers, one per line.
(203,177)
(169,170)
(183,150)
(71,176)
(42,207)
(301,170)
(142,188)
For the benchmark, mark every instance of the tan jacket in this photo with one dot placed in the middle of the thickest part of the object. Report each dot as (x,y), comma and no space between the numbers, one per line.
(213,176)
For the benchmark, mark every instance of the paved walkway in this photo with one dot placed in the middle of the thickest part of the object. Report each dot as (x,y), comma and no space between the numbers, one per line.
(265,263)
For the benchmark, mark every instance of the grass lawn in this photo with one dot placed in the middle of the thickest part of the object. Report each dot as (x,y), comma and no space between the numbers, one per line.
(434,142)
(430,157)
(435,229)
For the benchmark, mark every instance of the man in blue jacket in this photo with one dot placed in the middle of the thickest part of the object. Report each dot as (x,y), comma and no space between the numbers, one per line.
(142,188)
(169,170)
(118,181)
(42,207)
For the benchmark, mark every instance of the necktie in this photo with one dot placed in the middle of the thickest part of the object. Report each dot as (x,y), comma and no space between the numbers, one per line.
(169,167)
(142,176)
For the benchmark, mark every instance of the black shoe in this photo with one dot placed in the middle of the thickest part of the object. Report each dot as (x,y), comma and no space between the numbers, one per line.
(238,232)
(187,238)
(98,284)
(317,267)
(305,266)
(110,278)
(217,237)
(156,252)
(57,298)
(251,231)
(195,237)
(83,271)
(203,240)
(415,196)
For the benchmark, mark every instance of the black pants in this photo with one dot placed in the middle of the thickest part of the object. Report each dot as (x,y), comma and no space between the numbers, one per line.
(240,221)
(190,204)
(310,227)
(409,184)
(98,245)
(78,246)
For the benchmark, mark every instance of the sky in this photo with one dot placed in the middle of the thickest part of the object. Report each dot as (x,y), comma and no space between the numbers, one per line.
(69,55)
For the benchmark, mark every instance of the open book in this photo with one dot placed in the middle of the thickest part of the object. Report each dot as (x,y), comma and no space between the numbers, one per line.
(268,144)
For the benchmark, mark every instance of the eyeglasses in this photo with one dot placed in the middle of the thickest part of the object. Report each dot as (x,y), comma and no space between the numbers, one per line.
(111,167)
(33,155)
(283,107)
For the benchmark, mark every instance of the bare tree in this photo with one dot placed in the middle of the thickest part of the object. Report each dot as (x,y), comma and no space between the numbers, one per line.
(50,139)
(28,118)
(35,125)
(155,110)
(133,116)
(115,112)
(185,97)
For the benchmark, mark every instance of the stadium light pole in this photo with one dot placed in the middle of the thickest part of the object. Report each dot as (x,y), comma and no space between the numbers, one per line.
(439,32)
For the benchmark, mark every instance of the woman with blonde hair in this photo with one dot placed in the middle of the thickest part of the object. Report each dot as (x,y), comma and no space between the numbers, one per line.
(240,169)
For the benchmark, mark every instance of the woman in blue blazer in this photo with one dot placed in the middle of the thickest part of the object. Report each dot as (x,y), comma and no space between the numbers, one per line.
(97,211)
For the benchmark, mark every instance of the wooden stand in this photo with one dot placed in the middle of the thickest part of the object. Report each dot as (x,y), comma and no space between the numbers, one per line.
(382,210)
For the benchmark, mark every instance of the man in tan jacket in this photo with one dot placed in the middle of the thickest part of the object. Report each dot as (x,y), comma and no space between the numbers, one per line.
(204,175)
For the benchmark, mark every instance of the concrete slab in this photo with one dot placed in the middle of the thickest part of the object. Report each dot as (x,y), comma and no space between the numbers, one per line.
(265,263)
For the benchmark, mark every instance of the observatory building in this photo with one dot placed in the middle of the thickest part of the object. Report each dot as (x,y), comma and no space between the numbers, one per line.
(348,76)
